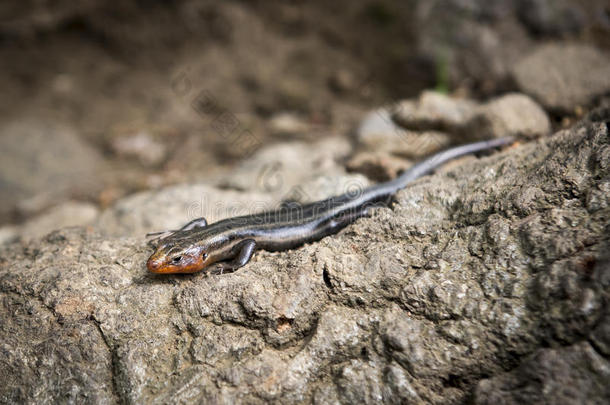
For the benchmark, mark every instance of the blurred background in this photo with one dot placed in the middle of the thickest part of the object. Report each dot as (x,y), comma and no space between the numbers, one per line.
(102,99)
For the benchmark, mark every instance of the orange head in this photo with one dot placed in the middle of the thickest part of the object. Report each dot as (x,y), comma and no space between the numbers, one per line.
(170,259)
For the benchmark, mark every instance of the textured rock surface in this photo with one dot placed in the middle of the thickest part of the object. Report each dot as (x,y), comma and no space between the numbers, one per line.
(379,166)
(568,374)
(474,275)
(434,110)
(430,123)
(378,132)
(564,76)
(573,375)
(510,115)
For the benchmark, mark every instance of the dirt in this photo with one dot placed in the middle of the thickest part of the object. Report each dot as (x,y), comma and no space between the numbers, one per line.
(201,82)
(109,71)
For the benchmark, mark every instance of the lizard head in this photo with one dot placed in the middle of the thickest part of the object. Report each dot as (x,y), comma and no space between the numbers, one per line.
(170,258)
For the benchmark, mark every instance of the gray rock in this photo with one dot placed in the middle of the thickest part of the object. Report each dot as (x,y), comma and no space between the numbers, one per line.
(414,128)
(434,111)
(477,42)
(70,213)
(471,40)
(288,124)
(379,166)
(141,146)
(551,17)
(342,81)
(562,76)
(172,207)
(378,132)
(572,375)
(510,115)
(277,169)
(600,338)
(8,234)
(466,276)
(323,187)
(41,164)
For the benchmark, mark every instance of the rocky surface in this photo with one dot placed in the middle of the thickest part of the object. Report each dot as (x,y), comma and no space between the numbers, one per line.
(575,374)
(434,111)
(433,121)
(510,115)
(483,41)
(564,76)
(379,132)
(486,282)
(379,166)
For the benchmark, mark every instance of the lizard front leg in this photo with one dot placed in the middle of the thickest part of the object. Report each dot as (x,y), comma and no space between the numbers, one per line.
(245,249)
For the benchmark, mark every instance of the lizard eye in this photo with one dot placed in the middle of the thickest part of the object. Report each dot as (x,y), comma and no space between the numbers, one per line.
(204,256)
(176,259)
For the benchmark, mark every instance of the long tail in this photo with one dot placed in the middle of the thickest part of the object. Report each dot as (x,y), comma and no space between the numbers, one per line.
(435,161)
(381,192)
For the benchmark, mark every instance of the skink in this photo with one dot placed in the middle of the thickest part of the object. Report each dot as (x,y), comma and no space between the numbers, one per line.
(230,243)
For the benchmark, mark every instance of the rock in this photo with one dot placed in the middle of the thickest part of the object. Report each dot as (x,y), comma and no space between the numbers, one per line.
(471,41)
(600,337)
(293,94)
(378,166)
(434,111)
(41,164)
(277,169)
(572,375)
(551,17)
(9,234)
(172,207)
(323,187)
(288,124)
(26,22)
(342,81)
(467,275)
(70,213)
(378,132)
(562,77)
(141,146)
(376,127)
(301,173)
(510,115)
